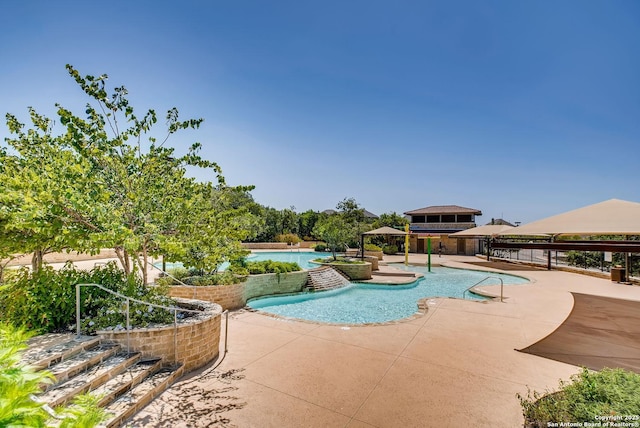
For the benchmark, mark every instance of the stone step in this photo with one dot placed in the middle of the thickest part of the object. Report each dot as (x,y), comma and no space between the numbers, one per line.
(85,364)
(126,380)
(402,274)
(81,361)
(134,400)
(52,349)
(90,379)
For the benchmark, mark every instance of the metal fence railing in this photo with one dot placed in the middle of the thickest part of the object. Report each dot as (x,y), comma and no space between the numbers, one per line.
(594,261)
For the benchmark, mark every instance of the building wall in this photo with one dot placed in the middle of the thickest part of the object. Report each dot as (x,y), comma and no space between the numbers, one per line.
(450,245)
(227,296)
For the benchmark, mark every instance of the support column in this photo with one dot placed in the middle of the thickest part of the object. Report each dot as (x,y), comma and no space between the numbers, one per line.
(488,249)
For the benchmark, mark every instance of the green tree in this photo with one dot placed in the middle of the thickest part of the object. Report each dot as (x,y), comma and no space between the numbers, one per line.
(351,211)
(289,221)
(335,231)
(306,222)
(271,224)
(353,215)
(392,219)
(212,236)
(46,193)
(107,181)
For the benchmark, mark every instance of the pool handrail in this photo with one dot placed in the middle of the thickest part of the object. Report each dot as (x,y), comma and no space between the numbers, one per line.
(166,273)
(484,279)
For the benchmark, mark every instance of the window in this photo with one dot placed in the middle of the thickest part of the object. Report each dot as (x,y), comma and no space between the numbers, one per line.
(449,218)
(417,219)
(433,219)
(464,218)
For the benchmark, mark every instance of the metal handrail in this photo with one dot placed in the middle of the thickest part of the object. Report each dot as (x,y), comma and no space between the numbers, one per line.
(482,280)
(168,274)
(128,326)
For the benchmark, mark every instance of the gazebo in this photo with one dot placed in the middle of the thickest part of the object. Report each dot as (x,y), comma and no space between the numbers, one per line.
(385,230)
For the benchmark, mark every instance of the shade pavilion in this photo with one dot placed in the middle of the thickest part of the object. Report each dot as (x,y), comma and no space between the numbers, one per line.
(611,217)
(485,232)
(385,230)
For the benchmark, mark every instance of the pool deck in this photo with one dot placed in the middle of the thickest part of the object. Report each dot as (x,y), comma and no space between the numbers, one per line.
(454,366)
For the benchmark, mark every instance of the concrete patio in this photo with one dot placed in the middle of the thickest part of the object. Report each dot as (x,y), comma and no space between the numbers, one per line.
(454,366)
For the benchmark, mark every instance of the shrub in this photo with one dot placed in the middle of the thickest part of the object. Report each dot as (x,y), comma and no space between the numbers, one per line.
(111,314)
(584,259)
(45,300)
(180,272)
(320,247)
(372,247)
(587,396)
(219,278)
(265,266)
(289,238)
(182,275)
(390,249)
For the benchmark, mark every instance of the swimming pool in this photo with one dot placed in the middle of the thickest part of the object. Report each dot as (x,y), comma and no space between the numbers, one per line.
(303,258)
(376,303)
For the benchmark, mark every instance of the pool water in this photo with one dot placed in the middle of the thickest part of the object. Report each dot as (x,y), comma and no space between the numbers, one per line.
(375,303)
(303,258)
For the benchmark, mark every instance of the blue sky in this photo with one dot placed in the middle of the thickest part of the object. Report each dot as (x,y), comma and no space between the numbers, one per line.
(519,109)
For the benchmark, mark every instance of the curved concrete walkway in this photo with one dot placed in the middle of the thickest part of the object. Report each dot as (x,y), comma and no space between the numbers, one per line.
(453,367)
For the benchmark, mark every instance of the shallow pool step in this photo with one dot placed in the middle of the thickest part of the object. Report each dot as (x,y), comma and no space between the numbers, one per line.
(401,274)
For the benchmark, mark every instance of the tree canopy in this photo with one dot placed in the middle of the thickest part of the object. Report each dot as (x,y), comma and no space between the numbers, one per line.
(335,231)
(106,180)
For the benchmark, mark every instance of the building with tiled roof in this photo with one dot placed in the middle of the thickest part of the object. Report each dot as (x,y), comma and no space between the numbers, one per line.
(444,209)
(433,225)
(500,222)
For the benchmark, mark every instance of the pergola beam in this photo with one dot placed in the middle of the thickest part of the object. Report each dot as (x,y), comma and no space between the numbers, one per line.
(612,246)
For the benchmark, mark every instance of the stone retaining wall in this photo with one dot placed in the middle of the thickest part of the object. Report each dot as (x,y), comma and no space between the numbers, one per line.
(277,245)
(197,337)
(228,296)
(309,244)
(373,260)
(265,245)
(354,253)
(269,283)
(356,271)
(235,296)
